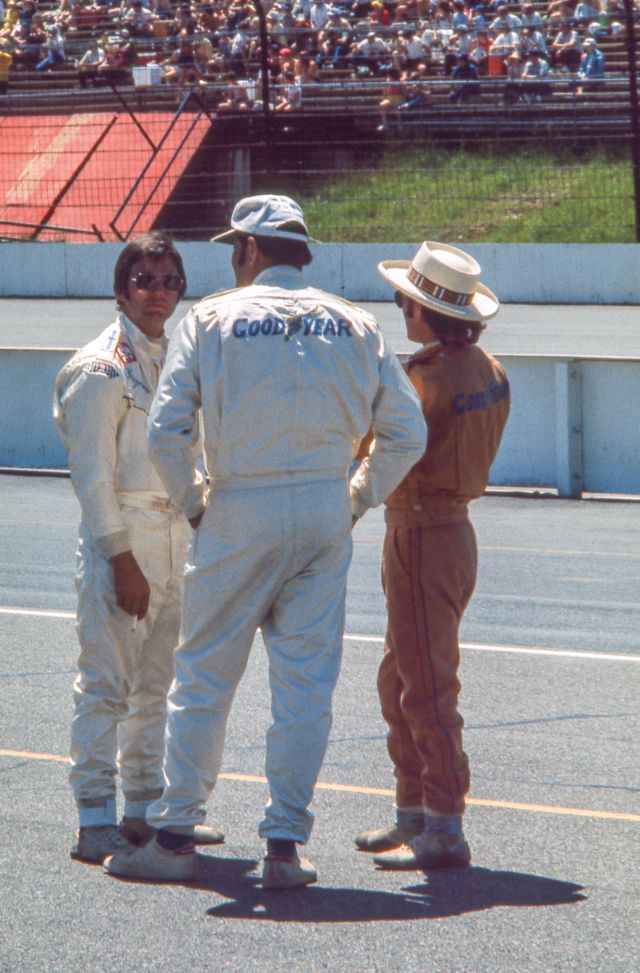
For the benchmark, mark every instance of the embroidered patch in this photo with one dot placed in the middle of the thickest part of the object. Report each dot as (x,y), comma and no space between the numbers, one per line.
(102,368)
(125,352)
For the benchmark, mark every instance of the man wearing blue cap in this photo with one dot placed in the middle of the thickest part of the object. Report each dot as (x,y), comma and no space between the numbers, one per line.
(288,379)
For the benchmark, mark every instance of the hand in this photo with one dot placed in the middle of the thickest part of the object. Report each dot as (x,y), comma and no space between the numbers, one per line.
(131,586)
(195,521)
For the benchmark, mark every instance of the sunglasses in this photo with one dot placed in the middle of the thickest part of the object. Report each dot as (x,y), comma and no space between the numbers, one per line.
(399,299)
(170,282)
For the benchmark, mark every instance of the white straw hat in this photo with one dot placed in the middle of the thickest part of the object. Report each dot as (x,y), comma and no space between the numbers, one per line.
(445,279)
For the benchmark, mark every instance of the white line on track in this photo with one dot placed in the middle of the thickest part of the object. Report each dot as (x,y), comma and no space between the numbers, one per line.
(379,640)
(520,650)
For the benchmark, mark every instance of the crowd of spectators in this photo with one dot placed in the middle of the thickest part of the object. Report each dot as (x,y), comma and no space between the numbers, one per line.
(405,43)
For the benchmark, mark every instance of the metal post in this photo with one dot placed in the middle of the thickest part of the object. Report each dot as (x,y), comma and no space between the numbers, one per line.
(264,68)
(633,105)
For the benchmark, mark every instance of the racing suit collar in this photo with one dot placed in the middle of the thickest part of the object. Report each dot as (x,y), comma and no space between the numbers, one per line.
(281,275)
(149,349)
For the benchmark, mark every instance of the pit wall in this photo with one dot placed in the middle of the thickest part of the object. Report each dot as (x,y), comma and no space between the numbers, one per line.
(518,273)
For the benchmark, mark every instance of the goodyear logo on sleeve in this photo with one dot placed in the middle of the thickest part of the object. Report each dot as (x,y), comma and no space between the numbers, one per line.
(305,326)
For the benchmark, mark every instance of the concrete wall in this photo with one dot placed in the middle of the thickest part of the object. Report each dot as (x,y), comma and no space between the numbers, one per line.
(519,273)
(573,425)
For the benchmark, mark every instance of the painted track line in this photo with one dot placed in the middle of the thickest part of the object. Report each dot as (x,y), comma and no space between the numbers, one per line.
(575,812)
(379,640)
(519,650)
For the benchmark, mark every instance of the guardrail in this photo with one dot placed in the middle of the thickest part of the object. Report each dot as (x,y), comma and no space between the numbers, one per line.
(573,426)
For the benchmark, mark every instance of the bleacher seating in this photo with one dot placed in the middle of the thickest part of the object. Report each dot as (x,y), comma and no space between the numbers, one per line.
(333,94)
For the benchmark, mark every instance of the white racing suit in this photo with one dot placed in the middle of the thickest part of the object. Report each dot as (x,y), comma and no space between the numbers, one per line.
(101,403)
(289,379)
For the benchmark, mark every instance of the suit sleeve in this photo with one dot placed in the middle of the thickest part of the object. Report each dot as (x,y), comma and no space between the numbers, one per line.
(173,421)
(88,408)
(400,438)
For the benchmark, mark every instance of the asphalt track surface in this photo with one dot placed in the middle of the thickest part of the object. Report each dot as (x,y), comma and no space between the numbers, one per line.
(550,673)
(517,328)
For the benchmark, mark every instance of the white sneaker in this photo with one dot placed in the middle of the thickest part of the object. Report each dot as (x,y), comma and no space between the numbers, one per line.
(95,843)
(280,873)
(154,863)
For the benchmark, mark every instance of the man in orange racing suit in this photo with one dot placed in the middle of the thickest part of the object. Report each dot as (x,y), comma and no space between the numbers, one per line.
(430,554)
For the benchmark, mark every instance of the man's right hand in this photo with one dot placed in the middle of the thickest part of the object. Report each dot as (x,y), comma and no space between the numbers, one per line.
(131,586)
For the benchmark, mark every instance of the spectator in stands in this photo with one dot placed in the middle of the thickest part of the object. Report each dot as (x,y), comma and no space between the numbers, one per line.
(560,15)
(531,17)
(25,16)
(566,50)
(394,94)
(442,18)
(337,21)
(535,73)
(477,20)
(11,17)
(333,50)
(88,65)
(208,19)
(531,38)
(479,51)
(505,43)
(460,16)
(419,93)
(202,56)
(119,57)
(180,67)
(592,67)
(318,14)
(183,20)
(584,13)
(235,97)
(379,15)
(301,10)
(290,96)
(53,48)
(409,51)
(240,49)
(459,43)
(139,20)
(505,21)
(237,12)
(305,69)
(512,91)
(371,55)
(6,60)
(465,78)
(26,45)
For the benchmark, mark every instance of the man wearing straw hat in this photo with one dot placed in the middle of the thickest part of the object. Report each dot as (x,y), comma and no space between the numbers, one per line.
(430,554)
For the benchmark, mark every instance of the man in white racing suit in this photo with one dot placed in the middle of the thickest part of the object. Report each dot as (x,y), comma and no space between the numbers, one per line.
(131,554)
(288,379)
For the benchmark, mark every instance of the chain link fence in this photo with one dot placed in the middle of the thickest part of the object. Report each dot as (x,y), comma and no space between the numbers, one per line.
(490,173)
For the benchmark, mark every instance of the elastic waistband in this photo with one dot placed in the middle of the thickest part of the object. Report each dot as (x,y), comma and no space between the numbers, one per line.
(145,501)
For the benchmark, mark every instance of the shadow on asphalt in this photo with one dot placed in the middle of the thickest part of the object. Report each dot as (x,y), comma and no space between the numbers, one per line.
(438,895)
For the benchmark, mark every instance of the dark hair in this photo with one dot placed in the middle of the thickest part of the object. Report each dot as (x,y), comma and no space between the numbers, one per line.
(154,244)
(294,253)
(452,331)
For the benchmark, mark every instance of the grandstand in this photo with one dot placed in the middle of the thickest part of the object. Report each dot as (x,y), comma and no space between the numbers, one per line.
(203,63)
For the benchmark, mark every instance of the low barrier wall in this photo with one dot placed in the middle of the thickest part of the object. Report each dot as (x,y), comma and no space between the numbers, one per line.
(519,273)
(573,426)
